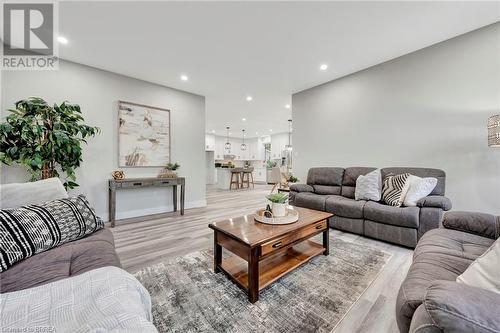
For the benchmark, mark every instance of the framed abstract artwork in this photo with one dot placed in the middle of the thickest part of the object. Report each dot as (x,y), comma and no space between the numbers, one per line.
(143,135)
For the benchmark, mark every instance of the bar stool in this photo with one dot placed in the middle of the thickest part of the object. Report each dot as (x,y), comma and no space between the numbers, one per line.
(235,178)
(247,178)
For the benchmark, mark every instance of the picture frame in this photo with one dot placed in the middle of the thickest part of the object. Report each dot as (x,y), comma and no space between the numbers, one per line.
(144,136)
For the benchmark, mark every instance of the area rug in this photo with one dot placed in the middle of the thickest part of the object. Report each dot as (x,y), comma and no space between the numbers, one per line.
(188,297)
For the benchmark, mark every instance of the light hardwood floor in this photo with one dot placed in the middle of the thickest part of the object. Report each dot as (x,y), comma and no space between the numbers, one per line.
(141,243)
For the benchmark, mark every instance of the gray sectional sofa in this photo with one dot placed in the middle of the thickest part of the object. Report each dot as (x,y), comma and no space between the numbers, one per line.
(332,189)
(429,300)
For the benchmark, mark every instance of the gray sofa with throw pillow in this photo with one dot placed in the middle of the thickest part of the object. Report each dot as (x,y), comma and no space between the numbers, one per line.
(332,189)
(429,300)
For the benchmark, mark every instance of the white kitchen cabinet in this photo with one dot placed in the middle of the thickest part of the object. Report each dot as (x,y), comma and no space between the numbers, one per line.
(209,142)
(259,175)
(219,147)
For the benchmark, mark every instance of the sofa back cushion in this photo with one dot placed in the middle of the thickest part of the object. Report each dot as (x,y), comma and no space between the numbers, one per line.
(440,175)
(31,229)
(326,180)
(19,194)
(350,177)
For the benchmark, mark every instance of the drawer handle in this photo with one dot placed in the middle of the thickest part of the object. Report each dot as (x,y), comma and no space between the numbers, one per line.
(319,227)
(167,182)
(276,245)
(137,184)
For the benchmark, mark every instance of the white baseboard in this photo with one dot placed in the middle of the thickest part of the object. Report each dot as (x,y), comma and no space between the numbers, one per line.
(157,210)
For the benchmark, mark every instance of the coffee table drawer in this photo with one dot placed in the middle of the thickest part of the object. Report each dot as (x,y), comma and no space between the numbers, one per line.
(276,244)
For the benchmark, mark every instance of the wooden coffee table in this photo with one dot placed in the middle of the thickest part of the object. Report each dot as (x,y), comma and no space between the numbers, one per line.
(263,253)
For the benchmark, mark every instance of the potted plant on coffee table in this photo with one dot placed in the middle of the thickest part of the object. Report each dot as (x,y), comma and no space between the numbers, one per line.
(278,203)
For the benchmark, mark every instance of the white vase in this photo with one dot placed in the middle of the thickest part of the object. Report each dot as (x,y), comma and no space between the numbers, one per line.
(279,209)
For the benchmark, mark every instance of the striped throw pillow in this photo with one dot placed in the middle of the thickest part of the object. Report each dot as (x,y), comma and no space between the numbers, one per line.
(31,229)
(393,189)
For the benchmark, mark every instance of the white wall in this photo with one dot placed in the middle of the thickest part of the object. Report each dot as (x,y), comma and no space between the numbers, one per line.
(97,92)
(426,109)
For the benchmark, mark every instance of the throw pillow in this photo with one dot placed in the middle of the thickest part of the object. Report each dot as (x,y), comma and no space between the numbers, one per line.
(484,271)
(393,189)
(369,186)
(33,193)
(418,188)
(31,229)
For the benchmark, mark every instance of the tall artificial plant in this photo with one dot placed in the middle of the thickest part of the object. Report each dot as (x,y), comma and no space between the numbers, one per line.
(45,139)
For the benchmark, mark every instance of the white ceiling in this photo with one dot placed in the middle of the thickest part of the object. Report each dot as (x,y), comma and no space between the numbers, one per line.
(268,50)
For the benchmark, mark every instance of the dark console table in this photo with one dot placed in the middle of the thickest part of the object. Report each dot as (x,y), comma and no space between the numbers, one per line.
(131,183)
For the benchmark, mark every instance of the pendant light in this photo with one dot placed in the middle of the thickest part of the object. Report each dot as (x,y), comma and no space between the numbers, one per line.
(243,145)
(289,145)
(227,146)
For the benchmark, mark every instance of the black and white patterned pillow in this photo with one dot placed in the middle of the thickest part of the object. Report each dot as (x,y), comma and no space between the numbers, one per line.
(393,189)
(31,229)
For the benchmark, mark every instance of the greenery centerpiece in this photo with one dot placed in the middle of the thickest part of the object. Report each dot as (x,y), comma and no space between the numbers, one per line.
(45,139)
(169,170)
(278,203)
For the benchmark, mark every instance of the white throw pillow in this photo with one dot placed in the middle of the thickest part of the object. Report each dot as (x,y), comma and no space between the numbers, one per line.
(19,194)
(369,186)
(484,272)
(417,188)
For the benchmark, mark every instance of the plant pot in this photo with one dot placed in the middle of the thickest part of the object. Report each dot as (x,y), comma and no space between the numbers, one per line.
(165,173)
(279,209)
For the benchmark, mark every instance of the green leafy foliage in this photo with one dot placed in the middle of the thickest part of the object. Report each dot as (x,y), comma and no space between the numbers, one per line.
(172,167)
(271,164)
(292,179)
(45,139)
(278,197)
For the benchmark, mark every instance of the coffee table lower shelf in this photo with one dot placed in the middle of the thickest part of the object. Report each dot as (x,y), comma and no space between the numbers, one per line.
(274,267)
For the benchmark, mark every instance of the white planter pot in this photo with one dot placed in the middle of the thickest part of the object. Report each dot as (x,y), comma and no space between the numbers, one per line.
(279,209)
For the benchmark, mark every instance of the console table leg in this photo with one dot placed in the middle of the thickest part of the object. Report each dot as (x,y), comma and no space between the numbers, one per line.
(174,192)
(112,206)
(326,240)
(253,276)
(182,198)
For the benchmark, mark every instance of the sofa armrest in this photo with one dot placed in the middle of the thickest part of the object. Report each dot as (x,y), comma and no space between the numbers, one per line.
(455,307)
(301,188)
(481,224)
(436,201)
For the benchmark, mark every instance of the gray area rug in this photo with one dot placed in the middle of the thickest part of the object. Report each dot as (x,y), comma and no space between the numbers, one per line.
(188,297)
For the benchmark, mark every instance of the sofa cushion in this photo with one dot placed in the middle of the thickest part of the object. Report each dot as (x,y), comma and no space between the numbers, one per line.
(399,216)
(350,177)
(327,189)
(94,251)
(310,200)
(452,242)
(33,193)
(31,229)
(391,233)
(440,175)
(325,176)
(344,207)
(355,226)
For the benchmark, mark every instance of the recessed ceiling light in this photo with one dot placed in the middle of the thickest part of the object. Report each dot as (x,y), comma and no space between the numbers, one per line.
(287,106)
(213,131)
(62,40)
(323,67)
(270,130)
(249,98)
(184,77)
(256,133)
(244,119)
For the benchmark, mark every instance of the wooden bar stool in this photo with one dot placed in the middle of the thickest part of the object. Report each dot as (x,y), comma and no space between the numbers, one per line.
(235,178)
(247,178)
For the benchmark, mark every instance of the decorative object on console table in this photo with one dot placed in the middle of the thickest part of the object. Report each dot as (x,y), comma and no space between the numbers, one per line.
(169,171)
(494,131)
(45,139)
(143,135)
(118,174)
(132,183)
